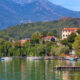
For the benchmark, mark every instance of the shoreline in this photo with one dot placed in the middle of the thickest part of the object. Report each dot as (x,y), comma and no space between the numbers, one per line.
(41,58)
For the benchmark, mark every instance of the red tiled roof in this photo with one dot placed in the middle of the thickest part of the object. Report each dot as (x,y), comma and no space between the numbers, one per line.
(70,29)
(49,37)
(41,35)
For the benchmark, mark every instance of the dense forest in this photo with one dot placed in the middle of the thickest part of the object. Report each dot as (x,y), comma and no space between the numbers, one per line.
(39,47)
(25,30)
(34,47)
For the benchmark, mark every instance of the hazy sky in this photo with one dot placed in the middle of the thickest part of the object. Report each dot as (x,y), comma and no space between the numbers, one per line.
(70,4)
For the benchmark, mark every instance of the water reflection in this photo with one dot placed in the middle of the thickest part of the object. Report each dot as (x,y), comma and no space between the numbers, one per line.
(22,69)
(65,75)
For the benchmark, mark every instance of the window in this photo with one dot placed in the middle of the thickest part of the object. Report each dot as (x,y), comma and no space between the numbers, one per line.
(63,35)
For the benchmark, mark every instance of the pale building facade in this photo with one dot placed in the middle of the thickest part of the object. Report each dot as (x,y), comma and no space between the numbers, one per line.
(67,31)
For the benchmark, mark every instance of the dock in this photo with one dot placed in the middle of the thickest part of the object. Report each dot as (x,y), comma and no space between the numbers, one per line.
(67,68)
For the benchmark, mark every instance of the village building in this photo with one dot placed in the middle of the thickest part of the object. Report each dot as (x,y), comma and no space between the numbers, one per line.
(50,38)
(24,40)
(67,31)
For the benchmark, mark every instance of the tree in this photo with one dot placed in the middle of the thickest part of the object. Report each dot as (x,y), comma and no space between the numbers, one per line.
(78,31)
(44,33)
(58,50)
(62,50)
(55,33)
(71,37)
(8,45)
(35,38)
(64,42)
(53,51)
(76,46)
(40,50)
(50,34)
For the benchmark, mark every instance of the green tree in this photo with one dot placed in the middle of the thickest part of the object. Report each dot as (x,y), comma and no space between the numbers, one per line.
(76,46)
(62,50)
(55,33)
(78,31)
(50,34)
(71,37)
(53,51)
(40,50)
(35,38)
(64,42)
(44,33)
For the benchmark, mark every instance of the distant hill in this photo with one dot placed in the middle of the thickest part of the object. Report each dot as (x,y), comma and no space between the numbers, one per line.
(13,12)
(26,30)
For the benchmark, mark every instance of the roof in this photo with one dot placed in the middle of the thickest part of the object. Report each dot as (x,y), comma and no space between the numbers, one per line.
(49,37)
(41,35)
(72,29)
(25,39)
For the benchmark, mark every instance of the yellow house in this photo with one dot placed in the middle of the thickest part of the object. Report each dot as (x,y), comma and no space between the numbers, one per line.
(67,31)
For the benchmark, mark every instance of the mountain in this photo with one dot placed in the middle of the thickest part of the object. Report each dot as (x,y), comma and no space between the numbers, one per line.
(25,30)
(14,12)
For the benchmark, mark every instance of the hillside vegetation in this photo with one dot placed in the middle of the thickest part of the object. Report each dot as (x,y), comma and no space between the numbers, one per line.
(25,30)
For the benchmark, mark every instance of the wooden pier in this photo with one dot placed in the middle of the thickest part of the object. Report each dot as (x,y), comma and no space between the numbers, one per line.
(69,68)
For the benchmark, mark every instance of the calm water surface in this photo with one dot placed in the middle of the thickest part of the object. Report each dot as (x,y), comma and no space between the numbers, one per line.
(23,69)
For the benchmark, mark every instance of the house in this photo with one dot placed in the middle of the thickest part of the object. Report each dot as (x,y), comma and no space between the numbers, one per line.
(67,31)
(24,40)
(49,38)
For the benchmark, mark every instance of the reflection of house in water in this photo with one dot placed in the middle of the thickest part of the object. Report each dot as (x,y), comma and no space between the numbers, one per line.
(65,75)
(69,75)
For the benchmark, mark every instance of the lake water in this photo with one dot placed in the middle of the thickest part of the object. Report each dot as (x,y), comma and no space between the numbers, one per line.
(23,69)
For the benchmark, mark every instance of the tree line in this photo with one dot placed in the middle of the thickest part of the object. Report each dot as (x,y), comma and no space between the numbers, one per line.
(38,47)
(35,47)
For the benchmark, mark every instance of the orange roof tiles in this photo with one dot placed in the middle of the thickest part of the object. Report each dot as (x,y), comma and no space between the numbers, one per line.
(41,35)
(71,29)
(49,37)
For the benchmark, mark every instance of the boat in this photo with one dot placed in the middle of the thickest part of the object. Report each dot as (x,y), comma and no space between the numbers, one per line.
(38,58)
(34,58)
(7,58)
(1,59)
(71,59)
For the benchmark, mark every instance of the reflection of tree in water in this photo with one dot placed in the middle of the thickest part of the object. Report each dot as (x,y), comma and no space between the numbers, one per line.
(68,75)
(38,70)
(35,70)
(49,72)
(43,70)
(71,75)
(22,71)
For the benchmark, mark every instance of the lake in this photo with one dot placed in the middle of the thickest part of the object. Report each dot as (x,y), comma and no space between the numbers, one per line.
(23,69)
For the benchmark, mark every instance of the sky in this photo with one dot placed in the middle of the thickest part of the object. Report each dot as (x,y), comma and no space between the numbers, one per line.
(70,4)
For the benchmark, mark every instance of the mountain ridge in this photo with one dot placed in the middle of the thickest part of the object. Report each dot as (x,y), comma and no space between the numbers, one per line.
(13,13)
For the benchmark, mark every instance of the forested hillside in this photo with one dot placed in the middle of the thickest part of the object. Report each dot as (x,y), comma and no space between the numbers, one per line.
(25,30)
